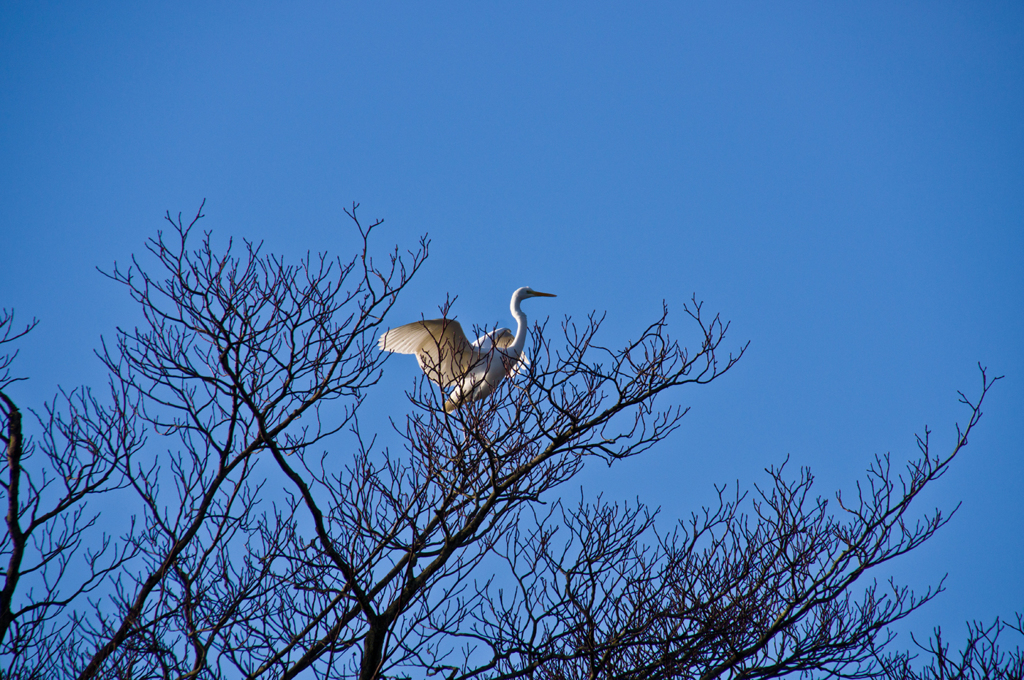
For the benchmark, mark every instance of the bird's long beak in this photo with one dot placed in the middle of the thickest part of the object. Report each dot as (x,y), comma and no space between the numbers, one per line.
(544,294)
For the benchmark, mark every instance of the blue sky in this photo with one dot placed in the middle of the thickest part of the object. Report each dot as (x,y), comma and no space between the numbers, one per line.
(843,182)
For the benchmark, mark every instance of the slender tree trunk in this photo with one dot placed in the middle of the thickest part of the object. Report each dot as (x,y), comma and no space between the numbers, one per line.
(14,452)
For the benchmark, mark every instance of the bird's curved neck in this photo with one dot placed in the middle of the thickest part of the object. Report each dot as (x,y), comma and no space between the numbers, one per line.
(521,327)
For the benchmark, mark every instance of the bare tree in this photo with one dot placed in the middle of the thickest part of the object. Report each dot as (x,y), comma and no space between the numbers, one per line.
(264,534)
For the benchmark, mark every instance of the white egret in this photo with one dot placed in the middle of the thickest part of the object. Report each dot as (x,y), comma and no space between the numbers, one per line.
(472,369)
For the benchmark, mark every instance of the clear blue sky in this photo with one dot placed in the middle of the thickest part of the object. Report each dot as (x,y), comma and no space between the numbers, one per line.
(844,181)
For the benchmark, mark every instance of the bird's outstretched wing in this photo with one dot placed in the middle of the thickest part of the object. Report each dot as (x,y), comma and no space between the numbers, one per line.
(440,345)
(502,337)
(486,341)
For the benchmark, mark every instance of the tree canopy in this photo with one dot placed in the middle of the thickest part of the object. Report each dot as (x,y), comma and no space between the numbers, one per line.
(220,511)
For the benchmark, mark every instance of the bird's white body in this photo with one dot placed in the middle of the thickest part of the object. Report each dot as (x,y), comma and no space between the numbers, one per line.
(472,369)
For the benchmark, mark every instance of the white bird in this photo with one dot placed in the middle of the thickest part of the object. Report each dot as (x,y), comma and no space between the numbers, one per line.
(472,369)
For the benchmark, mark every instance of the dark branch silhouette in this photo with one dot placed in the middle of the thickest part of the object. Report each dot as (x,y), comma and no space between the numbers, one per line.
(221,512)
